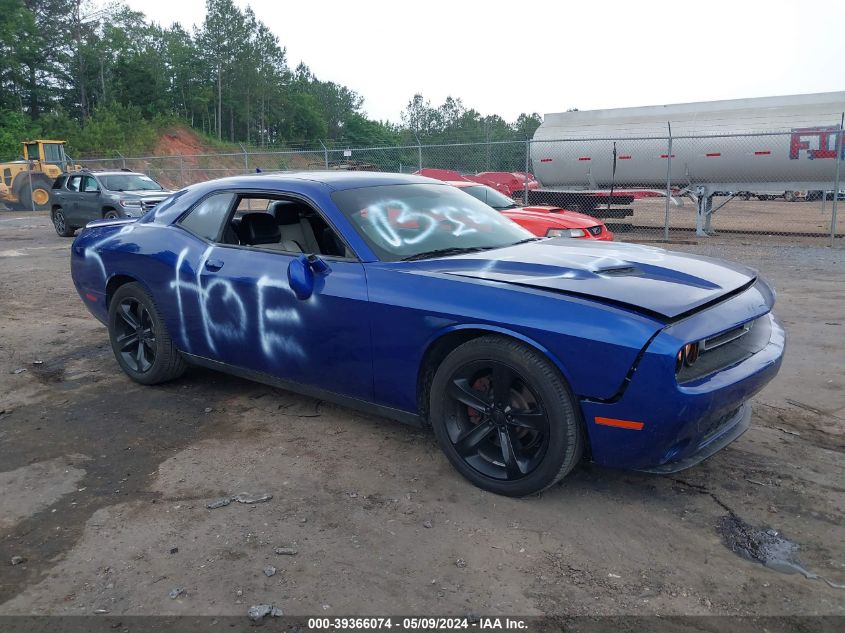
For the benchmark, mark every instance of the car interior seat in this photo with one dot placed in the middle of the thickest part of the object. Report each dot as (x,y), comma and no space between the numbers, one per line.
(260,229)
(295,229)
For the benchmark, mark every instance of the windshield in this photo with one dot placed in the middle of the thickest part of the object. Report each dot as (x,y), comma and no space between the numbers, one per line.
(490,196)
(404,221)
(130,182)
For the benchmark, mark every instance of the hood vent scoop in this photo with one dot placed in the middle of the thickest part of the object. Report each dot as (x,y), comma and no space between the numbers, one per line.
(618,271)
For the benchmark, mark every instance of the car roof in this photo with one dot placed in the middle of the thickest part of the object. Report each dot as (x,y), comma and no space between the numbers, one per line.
(335,180)
(107,172)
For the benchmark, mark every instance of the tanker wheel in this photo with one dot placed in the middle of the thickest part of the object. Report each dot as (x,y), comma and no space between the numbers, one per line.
(790,196)
(37,198)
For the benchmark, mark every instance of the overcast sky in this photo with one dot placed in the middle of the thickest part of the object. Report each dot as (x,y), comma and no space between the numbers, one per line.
(546,56)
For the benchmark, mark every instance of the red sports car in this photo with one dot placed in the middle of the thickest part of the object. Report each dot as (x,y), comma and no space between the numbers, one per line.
(509,183)
(540,220)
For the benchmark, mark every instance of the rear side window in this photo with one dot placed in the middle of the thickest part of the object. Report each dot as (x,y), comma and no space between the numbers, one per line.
(206,219)
(59,183)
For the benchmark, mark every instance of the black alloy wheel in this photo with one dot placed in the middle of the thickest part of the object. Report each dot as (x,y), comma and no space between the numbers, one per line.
(60,224)
(504,433)
(504,416)
(136,340)
(139,339)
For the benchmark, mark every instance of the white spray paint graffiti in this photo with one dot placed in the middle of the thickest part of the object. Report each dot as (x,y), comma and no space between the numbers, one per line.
(91,249)
(267,317)
(271,321)
(378,215)
(221,292)
(178,288)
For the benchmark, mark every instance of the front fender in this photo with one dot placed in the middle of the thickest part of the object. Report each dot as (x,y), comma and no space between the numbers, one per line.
(593,345)
(504,331)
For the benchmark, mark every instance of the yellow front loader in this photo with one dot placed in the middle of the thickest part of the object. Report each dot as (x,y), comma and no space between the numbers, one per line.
(27,183)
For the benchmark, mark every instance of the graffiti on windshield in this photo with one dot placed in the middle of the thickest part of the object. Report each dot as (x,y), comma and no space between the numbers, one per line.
(397,224)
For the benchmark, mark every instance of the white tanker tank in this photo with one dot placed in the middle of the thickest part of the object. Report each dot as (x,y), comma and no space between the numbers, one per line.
(771,143)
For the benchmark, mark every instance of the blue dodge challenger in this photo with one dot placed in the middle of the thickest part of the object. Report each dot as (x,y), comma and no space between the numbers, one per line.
(408,298)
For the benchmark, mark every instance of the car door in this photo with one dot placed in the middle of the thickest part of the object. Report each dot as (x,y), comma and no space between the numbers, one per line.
(251,317)
(70,200)
(90,207)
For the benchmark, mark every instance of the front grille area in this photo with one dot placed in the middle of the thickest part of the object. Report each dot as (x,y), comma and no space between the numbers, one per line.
(594,230)
(728,348)
(146,205)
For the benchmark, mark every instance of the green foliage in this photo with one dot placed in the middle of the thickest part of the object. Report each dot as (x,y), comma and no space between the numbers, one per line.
(15,128)
(107,80)
(359,131)
(115,126)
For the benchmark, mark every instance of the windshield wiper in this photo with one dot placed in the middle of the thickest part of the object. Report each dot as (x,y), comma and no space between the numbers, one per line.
(445,252)
(526,240)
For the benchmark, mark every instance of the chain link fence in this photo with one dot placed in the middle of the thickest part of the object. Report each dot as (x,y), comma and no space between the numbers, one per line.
(779,185)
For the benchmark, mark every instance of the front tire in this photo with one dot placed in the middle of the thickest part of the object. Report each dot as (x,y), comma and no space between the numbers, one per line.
(110,214)
(139,338)
(63,229)
(504,417)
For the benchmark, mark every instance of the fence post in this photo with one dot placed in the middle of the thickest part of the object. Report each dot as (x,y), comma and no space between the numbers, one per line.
(836,182)
(29,171)
(123,158)
(181,170)
(246,159)
(325,154)
(668,185)
(419,151)
(527,168)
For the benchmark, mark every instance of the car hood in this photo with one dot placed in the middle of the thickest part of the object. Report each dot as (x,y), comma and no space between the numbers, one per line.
(145,195)
(564,219)
(651,280)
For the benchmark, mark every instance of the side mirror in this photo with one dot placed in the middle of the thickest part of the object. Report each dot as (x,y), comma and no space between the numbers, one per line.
(301,274)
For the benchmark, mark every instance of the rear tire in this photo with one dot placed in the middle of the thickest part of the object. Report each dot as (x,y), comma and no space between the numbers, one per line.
(110,214)
(505,417)
(139,338)
(60,223)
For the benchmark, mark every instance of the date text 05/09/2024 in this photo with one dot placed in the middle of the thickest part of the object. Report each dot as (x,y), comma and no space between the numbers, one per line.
(418,623)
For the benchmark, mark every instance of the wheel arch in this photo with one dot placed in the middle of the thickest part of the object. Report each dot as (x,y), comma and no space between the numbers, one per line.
(116,281)
(441,345)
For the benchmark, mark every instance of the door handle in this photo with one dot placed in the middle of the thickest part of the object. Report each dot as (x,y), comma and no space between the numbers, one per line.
(214,264)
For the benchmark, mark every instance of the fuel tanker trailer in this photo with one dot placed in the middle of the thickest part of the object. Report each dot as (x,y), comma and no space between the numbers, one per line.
(786,145)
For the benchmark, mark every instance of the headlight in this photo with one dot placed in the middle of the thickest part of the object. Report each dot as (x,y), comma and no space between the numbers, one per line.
(131,203)
(565,233)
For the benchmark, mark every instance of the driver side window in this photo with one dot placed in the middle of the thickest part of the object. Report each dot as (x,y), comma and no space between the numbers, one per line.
(207,218)
(285,225)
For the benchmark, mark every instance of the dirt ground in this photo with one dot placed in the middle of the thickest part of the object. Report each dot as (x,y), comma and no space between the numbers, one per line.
(768,217)
(105,484)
